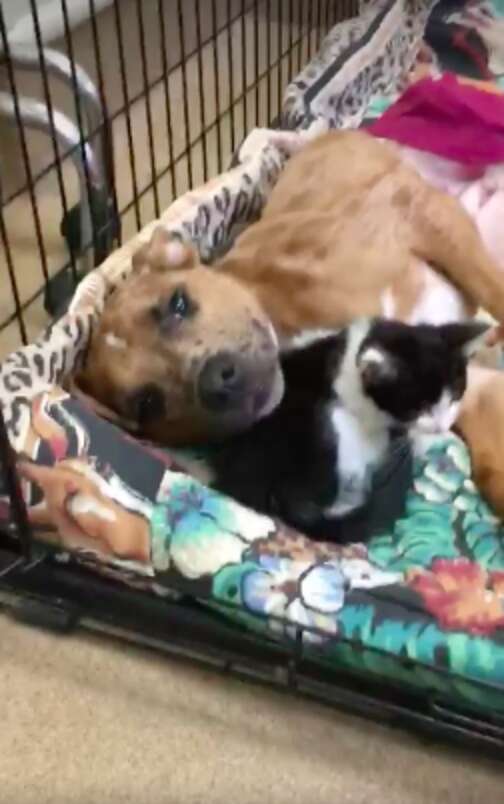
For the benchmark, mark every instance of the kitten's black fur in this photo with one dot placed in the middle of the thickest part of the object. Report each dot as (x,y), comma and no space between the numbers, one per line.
(286,465)
(426,360)
(291,454)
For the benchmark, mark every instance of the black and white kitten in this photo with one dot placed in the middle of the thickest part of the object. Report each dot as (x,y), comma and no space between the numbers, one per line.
(351,399)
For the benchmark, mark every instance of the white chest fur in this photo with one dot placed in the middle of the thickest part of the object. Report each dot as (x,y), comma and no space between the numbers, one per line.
(360,429)
(360,451)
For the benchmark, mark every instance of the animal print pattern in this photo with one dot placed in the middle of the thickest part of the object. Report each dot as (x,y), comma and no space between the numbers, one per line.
(377,48)
(39,367)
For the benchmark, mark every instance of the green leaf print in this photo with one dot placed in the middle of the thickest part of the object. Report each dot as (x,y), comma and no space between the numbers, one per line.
(407,652)
(425,534)
(445,515)
(481,658)
(485,541)
(387,647)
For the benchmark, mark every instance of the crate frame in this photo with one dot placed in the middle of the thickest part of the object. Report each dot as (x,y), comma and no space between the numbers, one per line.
(35,587)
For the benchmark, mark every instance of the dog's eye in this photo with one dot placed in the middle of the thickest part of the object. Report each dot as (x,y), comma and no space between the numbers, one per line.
(147,405)
(177,307)
(179,304)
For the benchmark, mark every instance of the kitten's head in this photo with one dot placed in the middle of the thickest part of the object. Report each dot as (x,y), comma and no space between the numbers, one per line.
(417,374)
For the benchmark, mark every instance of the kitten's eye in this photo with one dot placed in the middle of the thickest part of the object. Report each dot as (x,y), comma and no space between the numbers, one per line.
(147,405)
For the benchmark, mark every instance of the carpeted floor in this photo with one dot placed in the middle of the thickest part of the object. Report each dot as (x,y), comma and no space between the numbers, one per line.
(90,721)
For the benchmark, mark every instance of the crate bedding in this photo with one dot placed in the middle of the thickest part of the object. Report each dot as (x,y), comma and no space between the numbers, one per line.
(422,604)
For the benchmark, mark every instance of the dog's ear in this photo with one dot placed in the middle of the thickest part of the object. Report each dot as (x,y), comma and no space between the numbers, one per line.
(164,252)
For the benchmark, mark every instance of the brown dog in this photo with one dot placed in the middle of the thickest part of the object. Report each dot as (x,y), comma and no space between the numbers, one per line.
(481,425)
(168,341)
(185,353)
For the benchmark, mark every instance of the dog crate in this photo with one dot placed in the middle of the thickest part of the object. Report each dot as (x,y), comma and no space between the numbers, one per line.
(110,110)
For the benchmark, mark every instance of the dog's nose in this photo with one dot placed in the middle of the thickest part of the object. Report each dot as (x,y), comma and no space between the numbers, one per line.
(221,382)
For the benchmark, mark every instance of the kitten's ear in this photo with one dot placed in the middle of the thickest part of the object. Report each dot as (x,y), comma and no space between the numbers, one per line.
(469,337)
(377,366)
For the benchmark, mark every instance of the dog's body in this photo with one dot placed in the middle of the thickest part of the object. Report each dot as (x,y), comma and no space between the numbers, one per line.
(349,231)
(481,425)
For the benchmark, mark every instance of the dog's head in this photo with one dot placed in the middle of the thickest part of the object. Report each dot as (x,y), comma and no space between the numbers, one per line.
(182,353)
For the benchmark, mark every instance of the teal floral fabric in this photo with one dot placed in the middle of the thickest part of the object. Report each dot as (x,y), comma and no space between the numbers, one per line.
(421,604)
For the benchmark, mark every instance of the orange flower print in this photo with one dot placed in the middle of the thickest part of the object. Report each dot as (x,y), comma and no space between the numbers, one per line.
(461,595)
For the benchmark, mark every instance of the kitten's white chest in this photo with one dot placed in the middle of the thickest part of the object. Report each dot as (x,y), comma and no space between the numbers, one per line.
(360,430)
(359,452)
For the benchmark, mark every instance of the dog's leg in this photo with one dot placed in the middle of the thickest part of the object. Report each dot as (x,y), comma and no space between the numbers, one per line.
(481,424)
(445,237)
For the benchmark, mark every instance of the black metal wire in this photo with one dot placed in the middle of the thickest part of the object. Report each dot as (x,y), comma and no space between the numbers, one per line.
(67,596)
(148,109)
(30,187)
(127,117)
(218,110)
(290,56)
(184,155)
(23,307)
(50,114)
(139,96)
(256,63)
(269,109)
(318,25)
(300,38)
(328,16)
(17,314)
(167,96)
(132,100)
(311,26)
(341,11)
(105,129)
(332,9)
(249,11)
(197,140)
(244,65)
(78,112)
(183,67)
(297,645)
(279,52)
(13,489)
(99,63)
(201,87)
(230,55)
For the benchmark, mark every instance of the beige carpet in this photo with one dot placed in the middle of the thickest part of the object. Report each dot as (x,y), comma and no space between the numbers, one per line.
(89,721)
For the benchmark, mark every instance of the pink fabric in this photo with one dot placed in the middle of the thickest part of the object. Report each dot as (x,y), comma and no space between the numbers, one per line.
(450,120)
(483,197)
